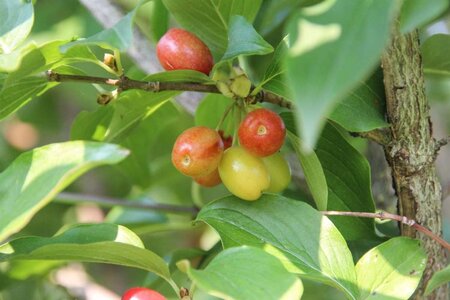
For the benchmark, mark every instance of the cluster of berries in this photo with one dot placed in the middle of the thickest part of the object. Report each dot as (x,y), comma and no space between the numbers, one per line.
(246,170)
(207,155)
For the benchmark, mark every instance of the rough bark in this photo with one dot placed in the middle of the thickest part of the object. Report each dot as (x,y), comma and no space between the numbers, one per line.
(412,151)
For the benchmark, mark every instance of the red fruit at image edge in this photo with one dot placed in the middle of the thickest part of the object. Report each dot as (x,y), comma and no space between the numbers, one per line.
(262,132)
(140,293)
(179,49)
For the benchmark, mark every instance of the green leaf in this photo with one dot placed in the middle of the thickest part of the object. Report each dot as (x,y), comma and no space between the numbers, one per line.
(118,37)
(259,276)
(364,109)
(436,60)
(20,92)
(35,177)
(417,13)
(23,82)
(349,186)
(209,19)
(159,20)
(274,77)
(210,111)
(34,59)
(244,40)
(180,76)
(315,177)
(438,279)
(98,243)
(307,242)
(274,12)
(17,19)
(334,45)
(93,125)
(131,107)
(391,270)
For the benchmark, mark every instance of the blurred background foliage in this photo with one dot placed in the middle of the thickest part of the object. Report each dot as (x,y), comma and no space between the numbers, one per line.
(147,175)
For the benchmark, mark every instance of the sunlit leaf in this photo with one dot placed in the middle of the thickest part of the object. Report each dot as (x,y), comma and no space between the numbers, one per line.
(247,273)
(391,270)
(307,242)
(35,177)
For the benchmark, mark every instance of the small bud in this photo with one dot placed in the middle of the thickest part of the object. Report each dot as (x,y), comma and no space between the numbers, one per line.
(183,265)
(224,89)
(110,61)
(240,86)
(105,98)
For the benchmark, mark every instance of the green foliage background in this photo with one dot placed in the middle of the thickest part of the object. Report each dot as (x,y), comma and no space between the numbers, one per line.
(336,86)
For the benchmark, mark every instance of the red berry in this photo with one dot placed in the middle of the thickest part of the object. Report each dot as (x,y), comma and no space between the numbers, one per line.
(197,151)
(227,140)
(140,293)
(179,49)
(262,132)
(209,180)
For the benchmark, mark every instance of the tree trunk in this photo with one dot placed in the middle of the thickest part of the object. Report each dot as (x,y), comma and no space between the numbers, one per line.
(412,151)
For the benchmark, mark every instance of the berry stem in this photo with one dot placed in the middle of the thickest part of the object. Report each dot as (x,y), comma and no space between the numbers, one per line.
(388,216)
(225,114)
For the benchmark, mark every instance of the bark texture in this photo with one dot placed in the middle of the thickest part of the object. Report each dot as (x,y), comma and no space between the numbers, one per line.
(412,151)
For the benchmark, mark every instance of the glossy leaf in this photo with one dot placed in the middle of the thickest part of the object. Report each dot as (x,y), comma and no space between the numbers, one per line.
(274,12)
(98,243)
(391,270)
(211,110)
(334,45)
(349,186)
(180,76)
(133,106)
(315,177)
(117,37)
(439,278)
(307,242)
(247,273)
(17,19)
(159,20)
(416,13)
(35,177)
(18,93)
(209,19)
(244,40)
(364,108)
(92,125)
(274,77)
(436,60)
(22,84)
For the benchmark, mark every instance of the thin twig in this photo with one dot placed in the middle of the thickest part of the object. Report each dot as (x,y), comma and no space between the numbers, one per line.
(380,136)
(125,83)
(74,198)
(389,216)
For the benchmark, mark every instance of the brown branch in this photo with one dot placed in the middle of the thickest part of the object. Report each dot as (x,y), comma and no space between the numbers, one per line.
(381,136)
(388,216)
(125,83)
(73,198)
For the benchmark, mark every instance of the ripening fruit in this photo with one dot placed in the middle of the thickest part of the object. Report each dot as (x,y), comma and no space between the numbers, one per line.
(179,49)
(262,132)
(209,180)
(197,151)
(244,174)
(140,293)
(227,140)
(279,172)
